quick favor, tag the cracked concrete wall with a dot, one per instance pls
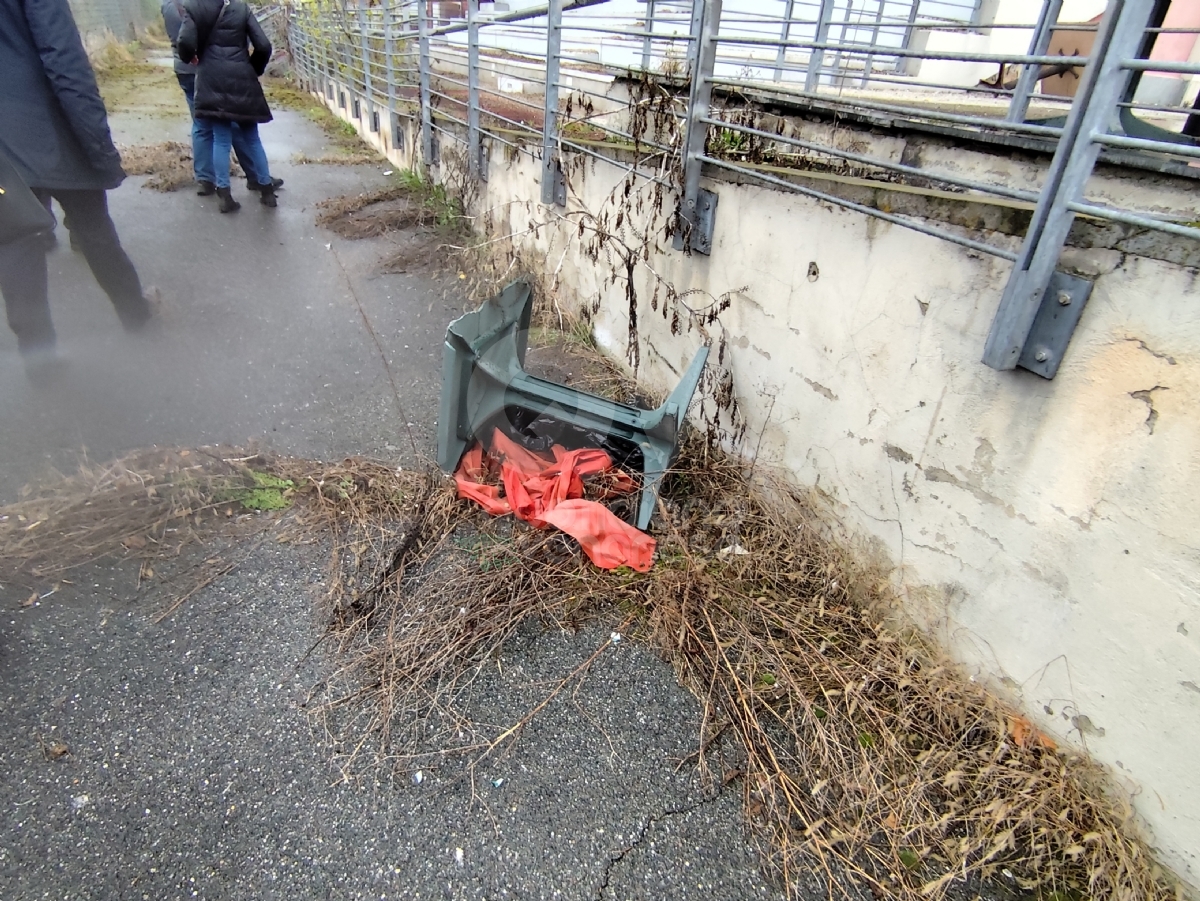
(1048, 532)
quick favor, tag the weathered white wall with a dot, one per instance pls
(1044, 530)
(1047, 531)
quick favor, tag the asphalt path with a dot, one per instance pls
(193, 768)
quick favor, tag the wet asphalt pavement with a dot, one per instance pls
(194, 769)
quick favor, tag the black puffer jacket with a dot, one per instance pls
(218, 32)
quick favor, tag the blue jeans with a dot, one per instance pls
(223, 132)
(202, 140)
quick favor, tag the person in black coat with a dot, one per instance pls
(202, 135)
(54, 130)
(216, 34)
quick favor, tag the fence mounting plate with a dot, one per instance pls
(1062, 306)
(702, 221)
(552, 173)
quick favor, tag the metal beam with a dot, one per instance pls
(1095, 105)
(553, 182)
(698, 208)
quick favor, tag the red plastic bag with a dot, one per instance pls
(544, 491)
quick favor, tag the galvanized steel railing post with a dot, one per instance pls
(1047, 19)
(816, 55)
(365, 53)
(784, 35)
(694, 36)
(553, 188)
(1094, 108)
(389, 62)
(698, 208)
(426, 97)
(474, 144)
(646, 41)
(906, 41)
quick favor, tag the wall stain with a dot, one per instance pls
(898, 454)
(821, 389)
(1084, 724)
(1182, 629)
(937, 474)
(1191, 686)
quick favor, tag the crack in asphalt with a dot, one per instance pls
(651, 821)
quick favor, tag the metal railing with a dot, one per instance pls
(736, 70)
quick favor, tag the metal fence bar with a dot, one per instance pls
(813, 78)
(913, 224)
(474, 144)
(707, 26)
(389, 62)
(1018, 107)
(784, 35)
(364, 49)
(646, 41)
(869, 65)
(1102, 85)
(906, 41)
(552, 175)
(426, 98)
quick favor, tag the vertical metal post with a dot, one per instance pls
(553, 189)
(1095, 106)
(784, 36)
(842, 40)
(869, 63)
(426, 97)
(389, 63)
(906, 42)
(474, 144)
(698, 7)
(817, 55)
(365, 53)
(699, 207)
(646, 42)
(1047, 19)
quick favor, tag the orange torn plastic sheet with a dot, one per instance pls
(549, 492)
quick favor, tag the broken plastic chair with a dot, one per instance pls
(483, 378)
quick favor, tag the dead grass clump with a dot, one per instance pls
(860, 752)
(148, 504)
(374, 213)
(168, 164)
(424, 211)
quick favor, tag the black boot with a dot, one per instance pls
(255, 186)
(206, 188)
(228, 204)
(267, 196)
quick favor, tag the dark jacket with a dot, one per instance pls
(53, 125)
(172, 14)
(218, 31)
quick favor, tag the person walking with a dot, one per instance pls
(215, 35)
(202, 134)
(54, 131)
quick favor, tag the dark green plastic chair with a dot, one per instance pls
(483, 376)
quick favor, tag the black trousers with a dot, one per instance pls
(23, 270)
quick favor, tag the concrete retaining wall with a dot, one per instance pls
(1047, 531)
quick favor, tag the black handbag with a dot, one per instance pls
(21, 213)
